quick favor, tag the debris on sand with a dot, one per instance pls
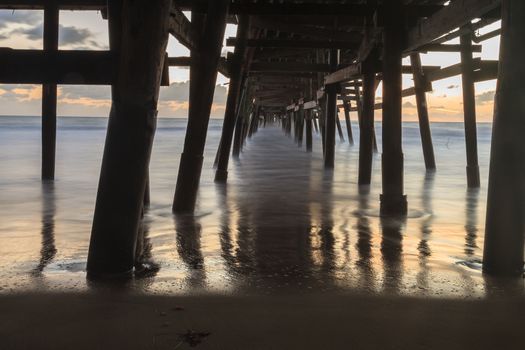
(193, 338)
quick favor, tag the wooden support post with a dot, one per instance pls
(129, 139)
(228, 126)
(469, 108)
(393, 200)
(346, 107)
(420, 83)
(300, 114)
(338, 124)
(366, 124)
(359, 106)
(202, 86)
(49, 95)
(308, 121)
(254, 120)
(237, 139)
(331, 115)
(322, 122)
(503, 251)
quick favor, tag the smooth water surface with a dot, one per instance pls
(282, 224)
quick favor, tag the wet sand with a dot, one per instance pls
(314, 321)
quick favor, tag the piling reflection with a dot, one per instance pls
(424, 251)
(145, 266)
(188, 236)
(392, 252)
(48, 249)
(327, 225)
(364, 244)
(471, 225)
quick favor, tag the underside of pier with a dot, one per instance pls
(295, 63)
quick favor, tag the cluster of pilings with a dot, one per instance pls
(292, 62)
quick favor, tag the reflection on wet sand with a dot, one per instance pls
(364, 244)
(48, 250)
(424, 251)
(188, 236)
(392, 252)
(471, 226)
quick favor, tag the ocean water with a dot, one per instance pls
(281, 224)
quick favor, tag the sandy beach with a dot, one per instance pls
(315, 321)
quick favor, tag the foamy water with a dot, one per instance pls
(282, 224)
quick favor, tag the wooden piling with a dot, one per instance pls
(331, 115)
(366, 125)
(130, 134)
(237, 138)
(309, 139)
(338, 124)
(469, 108)
(300, 114)
(504, 240)
(359, 106)
(49, 95)
(420, 84)
(393, 200)
(202, 85)
(232, 101)
(346, 107)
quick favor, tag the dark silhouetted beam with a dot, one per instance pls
(62, 4)
(296, 43)
(457, 14)
(288, 67)
(312, 9)
(60, 67)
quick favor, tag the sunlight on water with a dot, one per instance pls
(282, 224)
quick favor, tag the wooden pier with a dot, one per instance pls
(295, 62)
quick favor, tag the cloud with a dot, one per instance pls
(8, 17)
(70, 36)
(450, 87)
(486, 97)
(180, 92)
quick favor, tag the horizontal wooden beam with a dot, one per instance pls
(71, 67)
(60, 67)
(344, 74)
(288, 67)
(62, 4)
(354, 71)
(306, 30)
(446, 48)
(296, 43)
(457, 14)
(181, 61)
(308, 9)
(488, 71)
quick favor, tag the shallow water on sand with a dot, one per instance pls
(282, 224)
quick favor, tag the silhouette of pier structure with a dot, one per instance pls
(295, 62)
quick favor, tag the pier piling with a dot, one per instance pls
(203, 76)
(129, 137)
(393, 200)
(505, 225)
(49, 95)
(420, 83)
(469, 108)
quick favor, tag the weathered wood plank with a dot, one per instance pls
(296, 43)
(457, 14)
(60, 67)
(288, 67)
(62, 4)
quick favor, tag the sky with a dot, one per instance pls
(86, 30)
